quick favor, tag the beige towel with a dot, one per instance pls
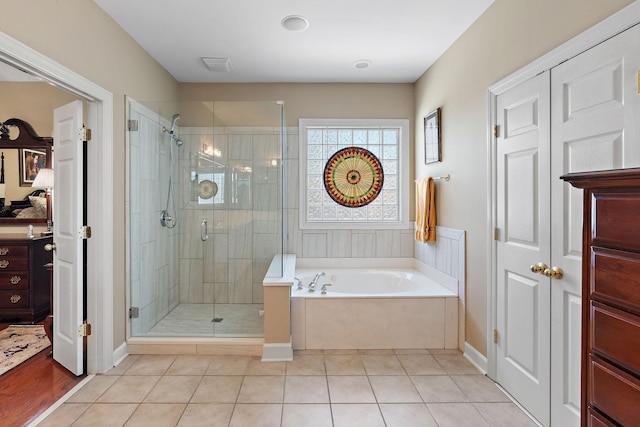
(425, 210)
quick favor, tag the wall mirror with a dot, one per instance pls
(22, 154)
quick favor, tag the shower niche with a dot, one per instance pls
(203, 277)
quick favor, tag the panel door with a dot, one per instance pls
(595, 120)
(523, 208)
(68, 202)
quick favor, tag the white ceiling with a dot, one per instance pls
(401, 38)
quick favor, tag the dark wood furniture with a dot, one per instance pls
(28, 139)
(610, 297)
(24, 279)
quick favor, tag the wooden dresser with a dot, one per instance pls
(610, 385)
(24, 279)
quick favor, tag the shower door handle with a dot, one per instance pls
(204, 230)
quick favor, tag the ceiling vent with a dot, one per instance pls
(218, 65)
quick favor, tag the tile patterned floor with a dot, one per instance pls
(318, 388)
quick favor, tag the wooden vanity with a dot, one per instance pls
(24, 278)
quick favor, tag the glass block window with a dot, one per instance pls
(386, 139)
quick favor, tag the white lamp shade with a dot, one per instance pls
(44, 179)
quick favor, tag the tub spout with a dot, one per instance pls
(312, 285)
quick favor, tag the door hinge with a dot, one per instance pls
(496, 131)
(84, 232)
(133, 125)
(496, 335)
(84, 330)
(496, 233)
(134, 312)
(85, 134)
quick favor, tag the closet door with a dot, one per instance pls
(522, 214)
(595, 120)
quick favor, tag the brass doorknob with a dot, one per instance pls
(50, 247)
(554, 272)
(539, 268)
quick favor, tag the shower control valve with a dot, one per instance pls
(324, 288)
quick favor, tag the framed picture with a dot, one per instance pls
(432, 138)
(30, 162)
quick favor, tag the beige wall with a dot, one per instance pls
(80, 36)
(509, 35)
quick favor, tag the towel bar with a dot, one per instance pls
(446, 177)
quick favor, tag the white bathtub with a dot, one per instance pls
(373, 308)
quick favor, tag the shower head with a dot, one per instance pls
(174, 119)
(178, 141)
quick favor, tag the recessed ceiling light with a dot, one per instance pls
(219, 65)
(295, 23)
(362, 63)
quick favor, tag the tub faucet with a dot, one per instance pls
(299, 282)
(312, 285)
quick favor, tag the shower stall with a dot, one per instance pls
(205, 216)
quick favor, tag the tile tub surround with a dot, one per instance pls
(318, 388)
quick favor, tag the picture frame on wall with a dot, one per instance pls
(30, 162)
(432, 137)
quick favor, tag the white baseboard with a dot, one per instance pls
(120, 353)
(278, 352)
(476, 358)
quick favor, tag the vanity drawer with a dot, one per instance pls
(14, 299)
(615, 277)
(11, 251)
(597, 420)
(614, 392)
(608, 326)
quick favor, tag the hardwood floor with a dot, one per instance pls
(29, 389)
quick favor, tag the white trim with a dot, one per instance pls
(120, 353)
(609, 27)
(100, 191)
(475, 357)
(277, 352)
(403, 174)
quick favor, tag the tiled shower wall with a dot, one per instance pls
(153, 265)
(339, 243)
(243, 238)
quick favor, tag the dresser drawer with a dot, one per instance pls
(14, 280)
(614, 392)
(616, 335)
(13, 264)
(615, 276)
(14, 299)
(616, 219)
(597, 420)
(13, 251)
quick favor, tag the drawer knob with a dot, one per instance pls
(539, 267)
(15, 299)
(554, 272)
(15, 280)
(4, 251)
(4, 263)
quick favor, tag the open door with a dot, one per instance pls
(68, 258)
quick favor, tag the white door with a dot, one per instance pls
(523, 296)
(595, 122)
(68, 256)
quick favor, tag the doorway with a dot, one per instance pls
(100, 354)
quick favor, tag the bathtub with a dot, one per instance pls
(373, 308)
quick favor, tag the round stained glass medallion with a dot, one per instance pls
(353, 177)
